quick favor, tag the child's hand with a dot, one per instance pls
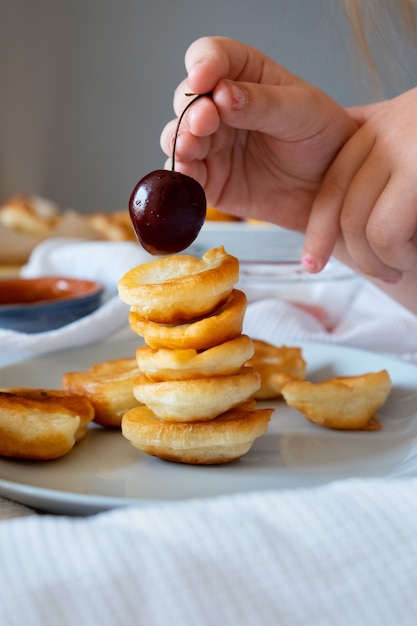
(370, 194)
(262, 143)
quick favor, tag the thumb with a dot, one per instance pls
(282, 111)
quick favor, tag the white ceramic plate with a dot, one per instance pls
(105, 471)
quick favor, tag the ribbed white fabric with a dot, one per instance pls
(344, 555)
(373, 322)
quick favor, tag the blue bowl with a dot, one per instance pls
(34, 305)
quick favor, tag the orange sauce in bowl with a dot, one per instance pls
(21, 291)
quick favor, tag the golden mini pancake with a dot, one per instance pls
(277, 365)
(109, 386)
(30, 215)
(41, 424)
(222, 325)
(167, 364)
(214, 215)
(111, 226)
(181, 287)
(221, 440)
(198, 398)
(344, 402)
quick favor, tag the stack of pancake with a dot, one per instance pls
(194, 389)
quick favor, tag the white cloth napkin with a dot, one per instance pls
(343, 554)
(373, 322)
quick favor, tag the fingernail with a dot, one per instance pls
(392, 280)
(238, 97)
(309, 263)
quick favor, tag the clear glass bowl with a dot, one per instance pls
(326, 295)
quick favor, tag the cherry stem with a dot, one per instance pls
(200, 95)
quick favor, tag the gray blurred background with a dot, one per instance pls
(86, 86)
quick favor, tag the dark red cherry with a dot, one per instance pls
(168, 208)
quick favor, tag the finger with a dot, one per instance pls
(204, 106)
(167, 137)
(322, 231)
(360, 204)
(346, 199)
(188, 146)
(195, 169)
(323, 228)
(190, 152)
(392, 227)
(211, 59)
(201, 118)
